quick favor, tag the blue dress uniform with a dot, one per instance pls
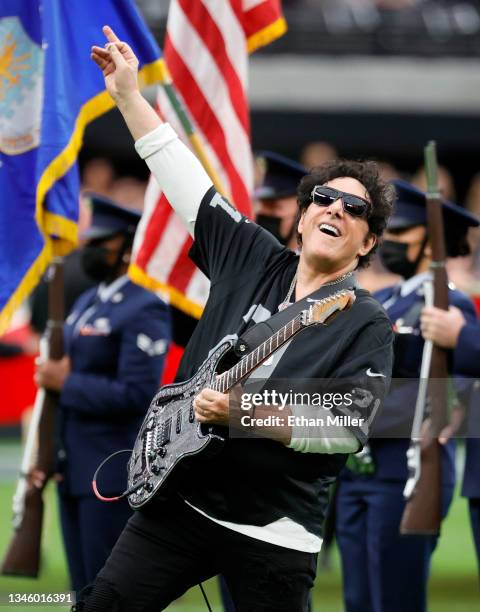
(116, 337)
(384, 571)
(276, 208)
(468, 347)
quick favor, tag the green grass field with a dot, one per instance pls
(453, 587)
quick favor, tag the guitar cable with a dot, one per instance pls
(205, 596)
(126, 493)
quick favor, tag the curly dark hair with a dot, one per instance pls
(381, 194)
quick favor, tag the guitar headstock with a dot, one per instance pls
(326, 309)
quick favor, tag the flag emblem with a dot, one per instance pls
(49, 92)
(21, 85)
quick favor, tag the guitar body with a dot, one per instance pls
(170, 433)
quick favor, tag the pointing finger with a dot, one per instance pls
(110, 34)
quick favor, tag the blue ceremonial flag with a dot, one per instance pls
(50, 90)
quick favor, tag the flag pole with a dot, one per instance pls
(187, 124)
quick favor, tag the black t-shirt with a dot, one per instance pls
(257, 481)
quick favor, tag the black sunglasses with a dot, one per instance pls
(352, 204)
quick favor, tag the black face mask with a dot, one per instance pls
(393, 256)
(272, 225)
(94, 263)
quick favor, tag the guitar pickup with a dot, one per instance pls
(162, 433)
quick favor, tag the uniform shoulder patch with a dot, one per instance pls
(151, 347)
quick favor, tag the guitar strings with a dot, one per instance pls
(221, 383)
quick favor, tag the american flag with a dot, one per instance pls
(206, 51)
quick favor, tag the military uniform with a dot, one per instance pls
(370, 507)
(276, 201)
(116, 337)
(468, 348)
(383, 570)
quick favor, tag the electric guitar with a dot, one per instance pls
(170, 433)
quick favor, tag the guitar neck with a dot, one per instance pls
(247, 364)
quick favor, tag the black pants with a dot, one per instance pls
(161, 554)
(90, 529)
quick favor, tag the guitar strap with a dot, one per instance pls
(254, 336)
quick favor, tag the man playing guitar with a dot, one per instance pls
(254, 512)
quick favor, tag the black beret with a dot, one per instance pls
(281, 178)
(410, 209)
(109, 219)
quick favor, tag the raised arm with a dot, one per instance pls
(120, 71)
(178, 172)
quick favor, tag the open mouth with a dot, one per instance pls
(330, 230)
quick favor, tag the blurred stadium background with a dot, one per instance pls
(372, 77)
(361, 78)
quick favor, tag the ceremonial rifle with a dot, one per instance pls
(23, 554)
(422, 514)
